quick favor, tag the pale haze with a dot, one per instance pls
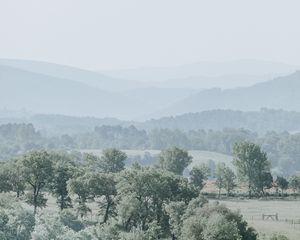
(150, 119)
(99, 35)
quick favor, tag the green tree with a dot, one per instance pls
(103, 187)
(175, 211)
(15, 222)
(282, 183)
(37, 170)
(225, 178)
(252, 165)
(79, 186)
(215, 222)
(113, 160)
(144, 193)
(294, 183)
(265, 182)
(64, 170)
(219, 228)
(174, 160)
(198, 175)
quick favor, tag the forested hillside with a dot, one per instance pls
(282, 148)
(258, 121)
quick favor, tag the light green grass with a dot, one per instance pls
(252, 211)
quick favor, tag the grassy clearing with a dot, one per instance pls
(252, 211)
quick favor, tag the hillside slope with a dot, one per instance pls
(91, 78)
(280, 93)
(47, 94)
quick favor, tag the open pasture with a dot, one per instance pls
(287, 211)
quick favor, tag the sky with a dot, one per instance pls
(114, 34)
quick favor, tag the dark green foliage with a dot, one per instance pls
(174, 160)
(37, 170)
(63, 171)
(282, 183)
(69, 219)
(294, 183)
(253, 166)
(143, 194)
(225, 178)
(79, 187)
(113, 160)
(103, 187)
(198, 176)
(215, 222)
(15, 222)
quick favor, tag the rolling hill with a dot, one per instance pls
(41, 93)
(280, 93)
(100, 95)
(225, 75)
(91, 78)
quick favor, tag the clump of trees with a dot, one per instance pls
(98, 198)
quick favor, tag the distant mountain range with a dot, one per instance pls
(280, 93)
(225, 75)
(47, 88)
(90, 78)
(55, 89)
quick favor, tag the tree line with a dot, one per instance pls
(282, 148)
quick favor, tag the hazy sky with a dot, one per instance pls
(105, 34)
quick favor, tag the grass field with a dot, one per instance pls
(252, 211)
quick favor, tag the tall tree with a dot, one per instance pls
(37, 168)
(174, 160)
(64, 169)
(252, 165)
(79, 185)
(282, 183)
(199, 174)
(113, 160)
(103, 187)
(225, 178)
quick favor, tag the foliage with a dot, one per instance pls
(282, 183)
(281, 147)
(15, 222)
(225, 178)
(253, 166)
(63, 171)
(174, 160)
(37, 170)
(278, 237)
(294, 183)
(198, 176)
(215, 222)
(113, 160)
